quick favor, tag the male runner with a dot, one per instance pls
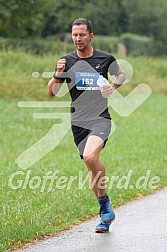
(90, 119)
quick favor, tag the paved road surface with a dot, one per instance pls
(140, 226)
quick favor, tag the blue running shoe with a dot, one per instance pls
(106, 212)
(102, 228)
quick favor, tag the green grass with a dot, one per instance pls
(17, 68)
(138, 145)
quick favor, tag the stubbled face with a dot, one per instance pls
(81, 37)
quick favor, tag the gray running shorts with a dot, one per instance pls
(82, 130)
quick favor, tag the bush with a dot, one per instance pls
(138, 45)
(160, 48)
(105, 43)
(36, 46)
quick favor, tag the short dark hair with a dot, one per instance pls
(85, 21)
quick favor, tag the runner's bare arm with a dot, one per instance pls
(120, 77)
(54, 84)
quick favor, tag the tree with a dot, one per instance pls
(147, 17)
(22, 18)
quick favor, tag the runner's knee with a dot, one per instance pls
(90, 160)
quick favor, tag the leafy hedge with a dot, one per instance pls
(138, 45)
(135, 45)
(40, 46)
(105, 43)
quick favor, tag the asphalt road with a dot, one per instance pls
(140, 226)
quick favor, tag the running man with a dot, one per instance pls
(87, 77)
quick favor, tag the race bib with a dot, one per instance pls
(86, 81)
